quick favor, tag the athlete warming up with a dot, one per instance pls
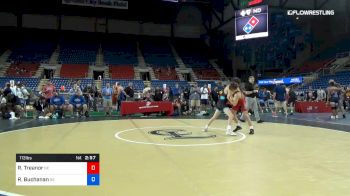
(221, 106)
(237, 100)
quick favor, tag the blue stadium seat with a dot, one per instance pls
(34, 51)
(77, 52)
(31, 83)
(68, 83)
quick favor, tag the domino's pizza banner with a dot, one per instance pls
(252, 22)
(286, 81)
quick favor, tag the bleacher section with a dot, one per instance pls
(32, 52)
(322, 82)
(157, 52)
(77, 52)
(165, 73)
(31, 83)
(58, 82)
(311, 66)
(138, 84)
(195, 56)
(74, 70)
(120, 52)
(22, 70)
(122, 72)
(330, 53)
(206, 74)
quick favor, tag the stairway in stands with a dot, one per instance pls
(54, 57)
(4, 57)
(176, 56)
(4, 65)
(140, 58)
(99, 57)
(215, 65)
(57, 73)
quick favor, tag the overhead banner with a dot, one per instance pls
(116, 4)
(252, 23)
(287, 81)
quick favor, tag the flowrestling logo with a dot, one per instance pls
(310, 12)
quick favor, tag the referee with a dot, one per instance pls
(251, 90)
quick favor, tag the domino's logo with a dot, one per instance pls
(251, 24)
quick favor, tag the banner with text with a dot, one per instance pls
(117, 4)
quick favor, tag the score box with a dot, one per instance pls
(57, 170)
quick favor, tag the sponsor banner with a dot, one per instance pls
(294, 80)
(117, 4)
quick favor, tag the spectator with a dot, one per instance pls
(74, 89)
(321, 95)
(96, 96)
(41, 107)
(9, 107)
(195, 98)
(121, 96)
(79, 104)
(347, 97)
(58, 105)
(292, 98)
(251, 93)
(214, 96)
(333, 93)
(186, 94)
(23, 96)
(48, 90)
(130, 92)
(166, 94)
(204, 99)
(263, 100)
(147, 94)
(7, 89)
(158, 94)
(280, 99)
(88, 95)
(107, 99)
(311, 95)
(176, 92)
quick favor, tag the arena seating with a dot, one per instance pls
(120, 52)
(322, 82)
(34, 51)
(22, 70)
(165, 73)
(31, 83)
(195, 56)
(74, 70)
(157, 52)
(122, 72)
(138, 84)
(311, 66)
(67, 83)
(330, 53)
(77, 53)
(206, 74)
(169, 83)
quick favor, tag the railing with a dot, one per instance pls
(342, 54)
